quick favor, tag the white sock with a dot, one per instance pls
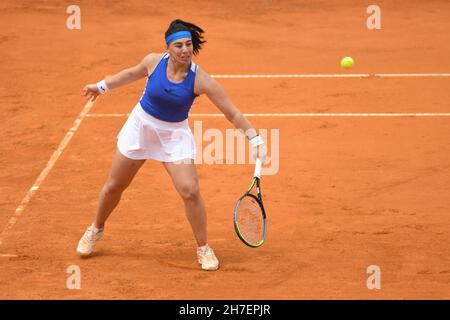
(96, 230)
(203, 248)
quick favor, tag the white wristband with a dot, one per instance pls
(256, 141)
(102, 87)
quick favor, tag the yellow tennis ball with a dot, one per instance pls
(347, 62)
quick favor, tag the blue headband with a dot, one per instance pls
(178, 35)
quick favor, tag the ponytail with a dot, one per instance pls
(196, 32)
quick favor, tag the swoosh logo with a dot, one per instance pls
(168, 90)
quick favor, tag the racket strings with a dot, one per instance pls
(250, 220)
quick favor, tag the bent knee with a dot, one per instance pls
(113, 187)
(190, 191)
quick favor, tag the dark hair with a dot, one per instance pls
(196, 32)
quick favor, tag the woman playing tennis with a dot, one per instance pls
(158, 129)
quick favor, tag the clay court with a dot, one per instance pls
(364, 162)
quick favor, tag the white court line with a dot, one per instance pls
(387, 75)
(8, 255)
(101, 115)
(255, 76)
(443, 114)
(328, 115)
(343, 75)
(35, 187)
(89, 105)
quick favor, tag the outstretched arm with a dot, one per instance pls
(123, 77)
(215, 92)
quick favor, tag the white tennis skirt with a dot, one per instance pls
(146, 137)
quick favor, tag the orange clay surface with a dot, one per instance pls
(350, 192)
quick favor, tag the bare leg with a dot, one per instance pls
(184, 177)
(122, 173)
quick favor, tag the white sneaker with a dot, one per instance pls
(87, 242)
(207, 258)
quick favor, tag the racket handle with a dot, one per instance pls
(258, 165)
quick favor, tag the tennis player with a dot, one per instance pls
(158, 129)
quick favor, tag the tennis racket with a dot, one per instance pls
(250, 220)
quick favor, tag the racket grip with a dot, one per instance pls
(258, 165)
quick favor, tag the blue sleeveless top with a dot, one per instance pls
(166, 100)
